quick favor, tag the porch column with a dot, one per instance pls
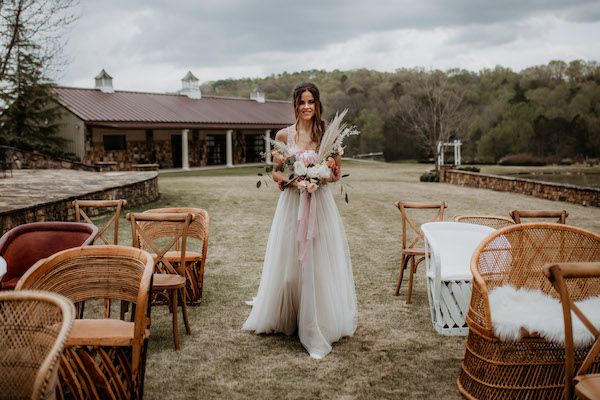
(268, 146)
(185, 162)
(229, 147)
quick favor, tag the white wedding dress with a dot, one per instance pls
(315, 295)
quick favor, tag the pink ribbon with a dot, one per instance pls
(307, 227)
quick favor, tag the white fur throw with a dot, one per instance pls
(534, 311)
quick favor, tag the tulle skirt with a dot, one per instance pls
(314, 296)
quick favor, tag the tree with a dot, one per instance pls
(29, 118)
(29, 49)
(430, 109)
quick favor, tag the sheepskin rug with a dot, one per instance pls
(534, 311)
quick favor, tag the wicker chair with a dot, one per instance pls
(493, 221)
(104, 358)
(194, 260)
(414, 251)
(95, 206)
(532, 367)
(159, 233)
(34, 326)
(25, 244)
(564, 277)
(560, 216)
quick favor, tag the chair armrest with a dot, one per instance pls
(573, 270)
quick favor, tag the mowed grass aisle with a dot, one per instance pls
(394, 354)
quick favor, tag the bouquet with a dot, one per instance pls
(309, 170)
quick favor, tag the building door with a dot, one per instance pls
(216, 149)
(176, 150)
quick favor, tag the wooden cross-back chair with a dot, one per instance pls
(91, 205)
(581, 382)
(194, 260)
(413, 252)
(560, 215)
(80, 207)
(149, 231)
(104, 358)
(493, 221)
(34, 327)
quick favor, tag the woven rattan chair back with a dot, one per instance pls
(106, 366)
(493, 221)
(34, 327)
(412, 249)
(94, 206)
(567, 278)
(557, 216)
(197, 235)
(531, 367)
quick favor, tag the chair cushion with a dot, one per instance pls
(514, 311)
(9, 284)
(101, 332)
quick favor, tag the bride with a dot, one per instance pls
(306, 284)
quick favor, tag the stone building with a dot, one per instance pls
(181, 130)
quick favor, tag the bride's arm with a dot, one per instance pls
(278, 173)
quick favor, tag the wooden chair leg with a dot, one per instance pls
(403, 262)
(173, 307)
(184, 311)
(410, 280)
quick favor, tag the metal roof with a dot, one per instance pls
(153, 110)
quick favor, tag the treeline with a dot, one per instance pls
(544, 113)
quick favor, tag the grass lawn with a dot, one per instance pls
(395, 352)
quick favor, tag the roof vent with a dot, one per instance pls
(104, 82)
(257, 95)
(190, 86)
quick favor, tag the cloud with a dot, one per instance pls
(153, 42)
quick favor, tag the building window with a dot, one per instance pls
(255, 145)
(114, 142)
(216, 149)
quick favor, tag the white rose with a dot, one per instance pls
(324, 172)
(313, 172)
(299, 168)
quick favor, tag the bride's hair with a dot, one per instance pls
(318, 126)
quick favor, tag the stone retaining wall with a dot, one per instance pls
(544, 190)
(136, 194)
(24, 159)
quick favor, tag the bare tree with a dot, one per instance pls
(33, 26)
(429, 107)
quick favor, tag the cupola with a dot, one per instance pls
(104, 82)
(190, 86)
(257, 95)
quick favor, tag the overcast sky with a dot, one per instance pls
(149, 45)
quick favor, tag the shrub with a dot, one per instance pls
(468, 168)
(430, 176)
(521, 159)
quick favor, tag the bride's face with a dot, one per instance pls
(306, 108)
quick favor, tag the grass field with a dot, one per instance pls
(394, 354)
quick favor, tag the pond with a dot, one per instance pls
(572, 178)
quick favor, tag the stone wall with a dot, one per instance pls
(544, 190)
(136, 194)
(24, 159)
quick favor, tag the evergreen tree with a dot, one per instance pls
(29, 119)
